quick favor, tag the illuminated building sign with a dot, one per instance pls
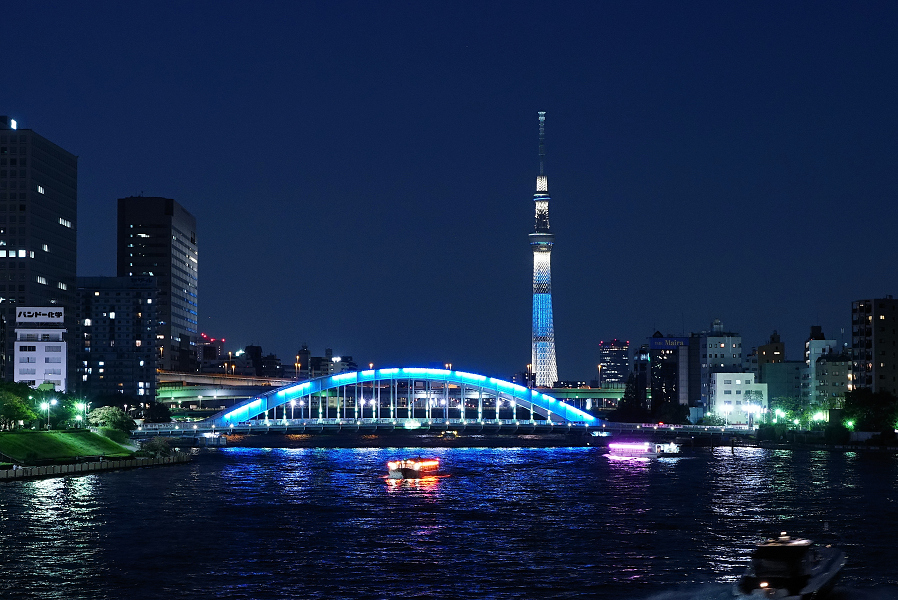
(667, 343)
(41, 314)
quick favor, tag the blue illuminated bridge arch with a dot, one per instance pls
(401, 393)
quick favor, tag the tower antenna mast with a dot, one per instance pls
(542, 142)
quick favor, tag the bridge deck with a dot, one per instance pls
(438, 425)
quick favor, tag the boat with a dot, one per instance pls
(413, 468)
(643, 449)
(788, 568)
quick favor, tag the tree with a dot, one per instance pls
(630, 409)
(112, 417)
(157, 446)
(871, 411)
(13, 409)
(157, 412)
(671, 412)
(712, 419)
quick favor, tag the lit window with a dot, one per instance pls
(45, 248)
(87, 322)
(42, 280)
(40, 189)
(62, 286)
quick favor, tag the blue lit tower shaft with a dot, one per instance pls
(545, 371)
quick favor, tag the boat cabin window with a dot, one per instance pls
(773, 561)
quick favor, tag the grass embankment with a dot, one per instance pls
(29, 447)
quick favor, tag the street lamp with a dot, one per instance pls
(296, 364)
(301, 404)
(726, 409)
(46, 406)
(81, 406)
(292, 406)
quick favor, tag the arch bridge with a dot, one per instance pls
(402, 393)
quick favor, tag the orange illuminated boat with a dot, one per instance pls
(413, 468)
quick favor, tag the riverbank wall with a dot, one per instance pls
(85, 468)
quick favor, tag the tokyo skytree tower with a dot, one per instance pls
(545, 370)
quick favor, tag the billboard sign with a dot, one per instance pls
(39, 314)
(668, 343)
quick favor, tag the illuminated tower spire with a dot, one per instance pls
(545, 370)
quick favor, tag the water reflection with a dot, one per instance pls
(505, 524)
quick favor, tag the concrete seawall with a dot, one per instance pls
(90, 467)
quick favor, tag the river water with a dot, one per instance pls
(503, 523)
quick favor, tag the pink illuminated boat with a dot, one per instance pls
(642, 449)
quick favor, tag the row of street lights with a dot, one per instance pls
(753, 411)
(80, 406)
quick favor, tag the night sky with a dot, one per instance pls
(362, 173)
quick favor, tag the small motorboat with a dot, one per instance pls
(413, 468)
(790, 568)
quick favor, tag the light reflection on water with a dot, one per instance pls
(504, 523)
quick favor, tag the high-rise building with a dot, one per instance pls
(833, 376)
(40, 351)
(874, 344)
(614, 362)
(157, 238)
(715, 351)
(38, 213)
(814, 347)
(783, 381)
(669, 368)
(773, 351)
(738, 397)
(115, 339)
(542, 351)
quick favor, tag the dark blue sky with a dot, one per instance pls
(362, 173)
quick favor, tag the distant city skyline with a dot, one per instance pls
(359, 186)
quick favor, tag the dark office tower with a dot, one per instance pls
(115, 336)
(874, 344)
(157, 238)
(614, 362)
(38, 211)
(773, 351)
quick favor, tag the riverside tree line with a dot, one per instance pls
(23, 407)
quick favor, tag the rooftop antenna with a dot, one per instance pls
(542, 141)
